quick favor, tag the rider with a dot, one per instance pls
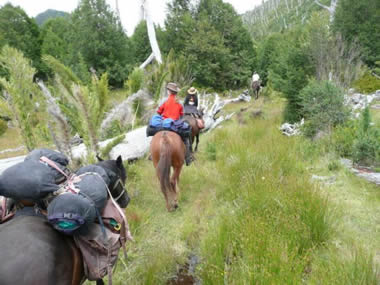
(255, 77)
(172, 109)
(191, 101)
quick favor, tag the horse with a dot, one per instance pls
(256, 86)
(191, 117)
(168, 150)
(32, 252)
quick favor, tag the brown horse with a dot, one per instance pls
(195, 130)
(256, 86)
(168, 150)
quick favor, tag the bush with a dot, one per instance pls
(366, 147)
(135, 80)
(367, 83)
(3, 127)
(322, 106)
(343, 138)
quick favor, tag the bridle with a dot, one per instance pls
(118, 183)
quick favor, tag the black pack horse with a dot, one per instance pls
(33, 253)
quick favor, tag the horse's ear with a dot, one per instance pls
(119, 161)
(99, 158)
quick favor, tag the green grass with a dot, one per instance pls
(9, 140)
(250, 213)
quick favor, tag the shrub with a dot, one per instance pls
(323, 106)
(366, 147)
(3, 127)
(135, 80)
(367, 83)
(343, 138)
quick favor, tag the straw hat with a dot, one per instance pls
(172, 87)
(192, 91)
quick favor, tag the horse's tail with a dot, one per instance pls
(163, 167)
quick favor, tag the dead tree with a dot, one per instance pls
(330, 8)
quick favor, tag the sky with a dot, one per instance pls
(129, 9)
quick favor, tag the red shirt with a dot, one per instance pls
(171, 108)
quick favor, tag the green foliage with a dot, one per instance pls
(104, 152)
(343, 138)
(334, 165)
(290, 71)
(56, 39)
(84, 106)
(115, 129)
(21, 32)
(139, 42)
(267, 52)
(366, 147)
(323, 106)
(211, 151)
(367, 83)
(135, 80)
(360, 20)
(22, 93)
(98, 35)
(212, 38)
(3, 127)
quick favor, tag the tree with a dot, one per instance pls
(140, 43)
(360, 20)
(98, 35)
(290, 71)
(56, 37)
(207, 56)
(211, 35)
(21, 32)
(20, 93)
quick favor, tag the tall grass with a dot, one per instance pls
(248, 211)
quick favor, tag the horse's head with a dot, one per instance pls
(117, 174)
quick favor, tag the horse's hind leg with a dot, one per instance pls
(174, 180)
(196, 143)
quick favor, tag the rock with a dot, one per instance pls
(377, 107)
(363, 172)
(292, 129)
(324, 179)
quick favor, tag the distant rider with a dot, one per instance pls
(191, 101)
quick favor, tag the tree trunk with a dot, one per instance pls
(151, 33)
(330, 8)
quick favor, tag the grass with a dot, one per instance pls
(9, 140)
(250, 213)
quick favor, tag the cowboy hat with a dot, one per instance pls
(172, 87)
(192, 91)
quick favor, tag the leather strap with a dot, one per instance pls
(78, 276)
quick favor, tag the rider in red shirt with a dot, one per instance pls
(174, 110)
(171, 108)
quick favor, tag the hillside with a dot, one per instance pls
(277, 16)
(49, 14)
